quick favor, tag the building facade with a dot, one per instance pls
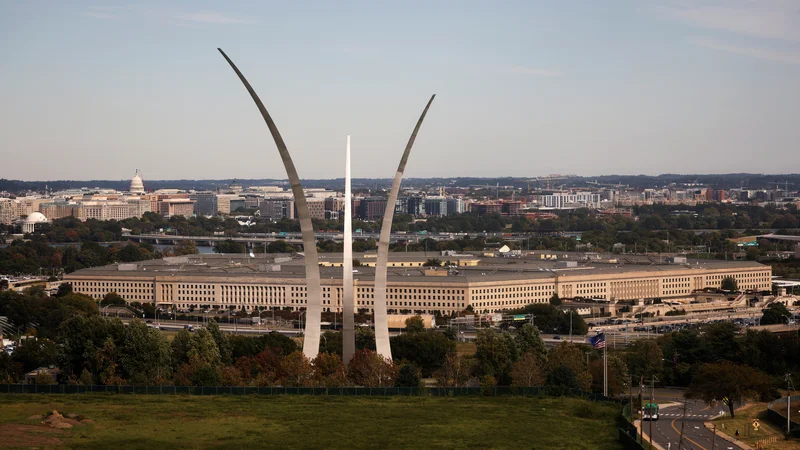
(213, 282)
(205, 203)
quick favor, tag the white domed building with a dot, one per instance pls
(34, 219)
(137, 185)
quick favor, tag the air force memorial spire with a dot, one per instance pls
(313, 288)
(348, 296)
(381, 318)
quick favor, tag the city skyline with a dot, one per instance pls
(627, 88)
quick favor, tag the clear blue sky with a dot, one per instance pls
(94, 90)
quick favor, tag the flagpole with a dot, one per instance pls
(605, 370)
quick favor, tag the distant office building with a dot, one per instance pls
(484, 208)
(176, 207)
(237, 204)
(137, 206)
(415, 206)
(57, 210)
(205, 203)
(252, 200)
(436, 206)
(511, 208)
(455, 206)
(228, 203)
(277, 208)
(334, 206)
(25, 206)
(371, 208)
(8, 211)
(566, 200)
(316, 208)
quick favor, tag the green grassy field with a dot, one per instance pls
(155, 422)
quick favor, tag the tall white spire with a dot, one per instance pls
(348, 300)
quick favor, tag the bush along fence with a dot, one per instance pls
(538, 391)
(776, 414)
(629, 436)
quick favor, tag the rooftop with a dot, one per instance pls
(488, 268)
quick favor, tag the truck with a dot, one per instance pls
(650, 411)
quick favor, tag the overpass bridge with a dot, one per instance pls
(295, 238)
(251, 240)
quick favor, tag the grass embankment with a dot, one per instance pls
(766, 429)
(152, 422)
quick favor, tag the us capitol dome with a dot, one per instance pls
(137, 185)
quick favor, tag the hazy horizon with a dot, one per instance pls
(95, 90)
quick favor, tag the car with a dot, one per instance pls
(557, 337)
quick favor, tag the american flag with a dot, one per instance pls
(598, 341)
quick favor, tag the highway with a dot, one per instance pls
(667, 430)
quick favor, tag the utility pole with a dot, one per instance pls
(641, 405)
(605, 371)
(789, 388)
(683, 423)
(652, 401)
(714, 437)
(570, 325)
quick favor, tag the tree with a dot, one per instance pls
(107, 363)
(728, 383)
(64, 289)
(369, 369)
(529, 339)
(432, 262)
(495, 354)
(455, 372)
(775, 313)
(296, 369)
(262, 369)
(80, 338)
(223, 345)
(185, 248)
(144, 354)
(426, 349)
(112, 298)
(555, 300)
(229, 246)
(329, 370)
(618, 376)
(528, 370)
(550, 319)
(415, 324)
(645, 359)
(729, 284)
(409, 375)
(566, 366)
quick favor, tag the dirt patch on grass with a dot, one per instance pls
(17, 435)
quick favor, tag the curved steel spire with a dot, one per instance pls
(313, 288)
(381, 320)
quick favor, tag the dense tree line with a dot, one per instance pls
(67, 331)
(756, 361)
(38, 257)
